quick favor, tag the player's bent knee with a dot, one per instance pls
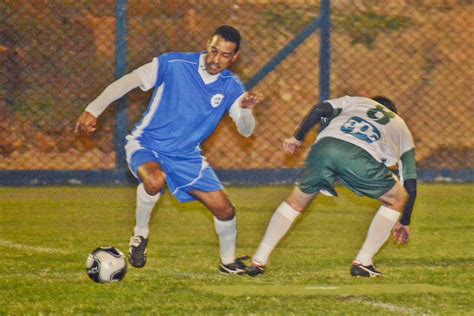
(296, 205)
(224, 214)
(154, 185)
(299, 201)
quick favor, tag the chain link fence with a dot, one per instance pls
(420, 54)
(57, 56)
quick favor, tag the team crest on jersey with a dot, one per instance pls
(216, 100)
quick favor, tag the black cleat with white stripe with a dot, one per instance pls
(137, 253)
(236, 267)
(359, 270)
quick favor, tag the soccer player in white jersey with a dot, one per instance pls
(361, 141)
(192, 92)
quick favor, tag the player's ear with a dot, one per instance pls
(236, 57)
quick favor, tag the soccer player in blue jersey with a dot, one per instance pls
(192, 93)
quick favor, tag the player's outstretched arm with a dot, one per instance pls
(241, 112)
(291, 144)
(401, 231)
(313, 117)
(87, 121)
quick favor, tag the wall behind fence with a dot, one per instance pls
(55, 57)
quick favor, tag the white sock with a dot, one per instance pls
(227, 232)
(280, 223)
(145, 204)
(378, 233)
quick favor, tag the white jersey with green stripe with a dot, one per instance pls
(371, 126)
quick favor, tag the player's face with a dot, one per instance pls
(220, 54)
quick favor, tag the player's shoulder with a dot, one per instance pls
(231, 78)
(180, 57)
(340, 102)
(357, 101)
(363, 103)
(401, 123)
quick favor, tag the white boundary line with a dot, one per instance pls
(321, 288)
(9, 244)
(388, 307)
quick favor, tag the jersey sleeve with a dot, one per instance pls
(407, 154)
(162, 69)
(147, 74)
(408, 164)
(236, 91)
(337, 104)
(113, 92)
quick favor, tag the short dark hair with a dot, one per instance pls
(228, 33)
(385, 102)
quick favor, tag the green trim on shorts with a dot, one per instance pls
(332, 158)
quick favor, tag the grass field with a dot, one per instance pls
(47, 233)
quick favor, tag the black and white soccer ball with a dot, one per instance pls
(106, 264)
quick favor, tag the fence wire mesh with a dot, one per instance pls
(420, 54)
(57, 56)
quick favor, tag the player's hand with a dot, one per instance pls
(86, 124)
(401, 233)
(393, 168)
(251, 100)
(290, 145)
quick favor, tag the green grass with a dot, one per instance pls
(47, 233)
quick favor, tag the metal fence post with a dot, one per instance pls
(325, 51)
(121, 70)
(284, 53)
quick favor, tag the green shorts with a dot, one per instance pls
(332, 158)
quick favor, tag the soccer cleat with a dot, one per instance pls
(255, 269)
(137, 254)
(236, 267)
(359, 270)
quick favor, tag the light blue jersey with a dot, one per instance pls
(184, 111)
(186, 107)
